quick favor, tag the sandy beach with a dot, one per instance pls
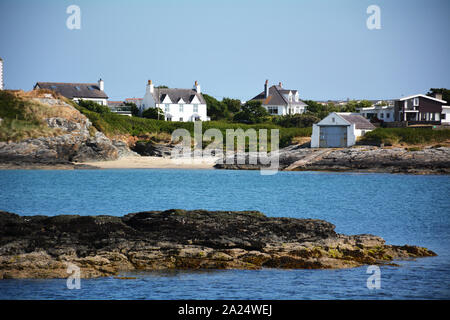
(154, 162)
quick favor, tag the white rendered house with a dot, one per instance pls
(176, 104)
(385, 113)
(339, 129)
(280, 101)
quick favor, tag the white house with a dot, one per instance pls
(339, 129)
(177, 104)
(280, 101)
(445, 116)
(385, 113)
(78, 91)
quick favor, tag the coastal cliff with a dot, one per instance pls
(45, 130)
(43, 247)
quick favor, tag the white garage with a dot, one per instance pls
(339, 130)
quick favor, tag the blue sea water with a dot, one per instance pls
(403, 209)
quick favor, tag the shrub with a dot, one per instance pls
(390, 136)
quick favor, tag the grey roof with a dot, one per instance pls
(359, 121)
(175, 94)
(74, 90)
(276, 97)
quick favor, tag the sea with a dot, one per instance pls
(403, 209)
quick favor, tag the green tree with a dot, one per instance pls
(153, 113)
(216, 109)
(445, 93)
(296, 120)
(93, 106)
(252, 112)
(233, 105)
(133, 108)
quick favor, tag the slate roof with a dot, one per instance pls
(276, 97)
(175, 94)
(359, 121)
(74, 90)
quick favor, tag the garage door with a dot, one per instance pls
(333, 136)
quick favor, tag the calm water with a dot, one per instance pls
(400, 208)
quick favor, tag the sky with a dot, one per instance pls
(321, 48)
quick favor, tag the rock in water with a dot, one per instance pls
(42, 247)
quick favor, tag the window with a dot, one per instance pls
(381, 115)
(181, 119)
(195, 107)
(167, 108)
(416, 102)
(388, 115)
(333, 119)
(272, 110)
(443, 116)
(181, 110)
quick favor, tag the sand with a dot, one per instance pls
(154, 162)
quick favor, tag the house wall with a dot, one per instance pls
(97, 100)
(445, 115)
(187, 114)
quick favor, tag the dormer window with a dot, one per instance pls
(181, 109)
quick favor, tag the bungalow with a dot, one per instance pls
(177, 104)
(419, 109)
(77, 91)
(280, 101)
(385, 113)
(339, 129)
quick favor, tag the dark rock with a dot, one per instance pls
(41, 246)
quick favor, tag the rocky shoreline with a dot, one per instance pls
(429, 160)
(43, 247)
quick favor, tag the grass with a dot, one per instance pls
(408, 136)
(113, 124)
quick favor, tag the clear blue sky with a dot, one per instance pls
(322, 48)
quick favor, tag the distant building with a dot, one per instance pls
(280, 101)
(119, 107)
(137, 101)
(77, 91)
(176, 104)
(384, 113)
(339, 129)
(419, 109)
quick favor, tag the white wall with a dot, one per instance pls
(446, 112)
(99, 101)
(187, 114)
(315, 136)
(283, 110)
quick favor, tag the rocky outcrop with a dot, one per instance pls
(428, 160)
(43, 247)
(149, 148)
(78, 141)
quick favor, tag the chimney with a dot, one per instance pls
(101, 84)
(438, 96)
(150, 86)
(197, 87)
(266, 89)
(280, 84)
(1, 74)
